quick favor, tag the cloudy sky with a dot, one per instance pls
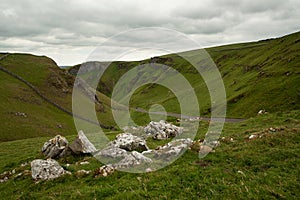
(70, 30)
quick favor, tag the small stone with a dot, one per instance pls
(104, 171)
(148, 170)
(252, 137)
(84, 163)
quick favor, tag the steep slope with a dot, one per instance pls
(256, 75)
(27, 113)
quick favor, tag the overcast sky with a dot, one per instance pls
(69, 30)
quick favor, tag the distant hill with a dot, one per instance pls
(257, 75)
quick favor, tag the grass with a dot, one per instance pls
(42, 119)
(266, 167)
(257, 75)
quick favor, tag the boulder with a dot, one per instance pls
(162, 130)
(133, 159)
(46, 169)
(82, 144)
(56, 147)
(171, 149)
(112, 152)
(129, 142)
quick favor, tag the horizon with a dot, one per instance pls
(69, 31)
(153, 55)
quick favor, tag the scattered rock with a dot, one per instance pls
(104, 171)
(82, 144)
(133, 159)
(56, 147)
(3, 180)
(46, 169)
(252, 137)
(196, 145)
(84, 163)
(162, 130)
(129, 142)
(112, 152)
(149, 170)
(21, 114)
(261, 112)
(171, 149)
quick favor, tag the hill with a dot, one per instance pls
(25, 110)
(257, 75)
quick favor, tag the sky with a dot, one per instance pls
(69, 31)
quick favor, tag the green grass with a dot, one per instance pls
(42, 119)
(256, 75)
(266, 168)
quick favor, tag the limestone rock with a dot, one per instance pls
(162, 130)
(133, 159)
(82, 144)
(104, 171)
(112, 152)
(171, 149)
(56, 147)
(130, 142)
(46, 169)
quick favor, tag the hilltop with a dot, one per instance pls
(257, 75)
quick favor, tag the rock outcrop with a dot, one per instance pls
(162, 130)
(129, 142)
(82, 144)
(56, 147)
(46, 169)
(171, 149)
(133, 159)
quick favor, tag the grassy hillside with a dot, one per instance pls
(257, 75)
(262, 168)
(40, 118)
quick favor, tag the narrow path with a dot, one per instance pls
(189, 117)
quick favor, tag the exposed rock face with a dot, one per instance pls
(82, 144)
(56, 147)
(104, 170)
(162, 130)
(129, 142)
(133, 159)
(171, 149)
(46, 169)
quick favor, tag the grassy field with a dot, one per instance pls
(262, 168)
(257, 75)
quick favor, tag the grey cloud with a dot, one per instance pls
(81, 24)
